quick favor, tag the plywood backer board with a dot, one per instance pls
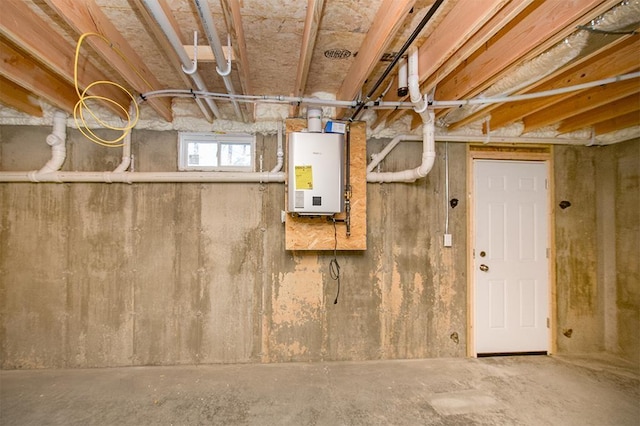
(317, 233)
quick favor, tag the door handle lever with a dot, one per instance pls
(484, 268)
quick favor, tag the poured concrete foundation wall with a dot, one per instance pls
(598, 247)
(115, 274)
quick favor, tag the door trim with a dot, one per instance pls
(522, 153)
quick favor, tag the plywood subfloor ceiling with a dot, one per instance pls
(338, 49)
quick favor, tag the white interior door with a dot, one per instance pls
(511, 271)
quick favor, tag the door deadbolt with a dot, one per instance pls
(483, 254)
(484, 268)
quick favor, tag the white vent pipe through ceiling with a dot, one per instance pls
(156, 11)
(421, 106)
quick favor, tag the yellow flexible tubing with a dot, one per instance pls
(81, 106)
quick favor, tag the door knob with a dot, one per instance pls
(484, 268)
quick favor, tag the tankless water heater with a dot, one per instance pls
(315, 167)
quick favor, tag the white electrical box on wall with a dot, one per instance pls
(315, 168)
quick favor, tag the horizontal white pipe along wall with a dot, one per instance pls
(140, 177)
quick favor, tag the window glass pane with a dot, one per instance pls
(202, 154)
(235, 154)
(215, 152)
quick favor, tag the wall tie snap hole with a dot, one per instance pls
(453, 203)
(564, 204)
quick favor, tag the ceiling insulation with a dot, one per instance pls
(569, 33)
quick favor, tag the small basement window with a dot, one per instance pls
(216, 152)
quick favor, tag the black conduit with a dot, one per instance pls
(403, 49)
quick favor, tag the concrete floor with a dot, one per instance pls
(533, 390)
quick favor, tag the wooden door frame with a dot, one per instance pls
(517, 152)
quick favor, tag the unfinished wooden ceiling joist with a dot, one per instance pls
(85, 16)
(337, 49)
(16, 97)
(616, 61)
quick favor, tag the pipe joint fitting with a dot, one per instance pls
(54, 140)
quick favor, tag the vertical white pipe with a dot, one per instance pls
(403, 85)
(57, 141)
(414, 82)
(428, 132)
(126, 154)
(280, 154)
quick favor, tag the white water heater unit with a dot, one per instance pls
(315, 167)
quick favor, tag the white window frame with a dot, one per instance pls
(184, 138)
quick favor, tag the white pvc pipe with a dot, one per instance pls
(280, 153)
(202, 6)
(527, 96)
(142, 177)
(377, 158)
(281, 99)
(514, 139)
(126, 154)
(419, 104)
(57, 141)
(159, 15)
(428, 133)
(402, 75)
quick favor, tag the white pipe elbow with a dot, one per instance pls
(57, 141)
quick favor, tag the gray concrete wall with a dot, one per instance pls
(598, 247)
(114, 274)
(626, 303)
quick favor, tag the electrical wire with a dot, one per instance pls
(446, 187)
(334, 266)
(82, 106)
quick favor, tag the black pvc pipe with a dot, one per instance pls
(405, 46)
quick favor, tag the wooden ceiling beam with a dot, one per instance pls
(614, 61)
(24, 28)
(311, 25)
(384, 27)
(574, 65)
(85, 16)
(579, 103)
(24, 71)
(233, 15)
(542, 25)
(618, 123)
(451, 48)
(602, 113)
(18, 98)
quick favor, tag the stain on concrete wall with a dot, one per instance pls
(576, 251)
(147, 274)
(627, 246)
(597, 245)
